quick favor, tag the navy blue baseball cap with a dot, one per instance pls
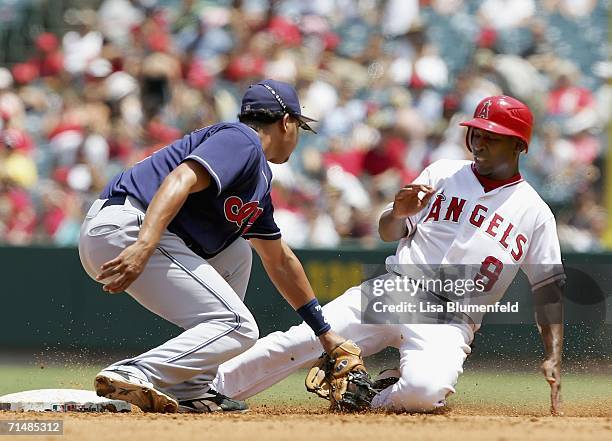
(275, 96)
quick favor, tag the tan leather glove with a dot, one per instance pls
(342, 378)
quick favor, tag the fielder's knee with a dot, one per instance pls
(244, 327)
(248, 330)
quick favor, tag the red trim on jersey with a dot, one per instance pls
(491, 184)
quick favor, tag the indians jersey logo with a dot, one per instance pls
(484, 110)
(238, 212)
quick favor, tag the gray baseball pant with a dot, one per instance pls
(203, 296)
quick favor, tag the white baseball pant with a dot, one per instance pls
(204, 297)
(431, 357)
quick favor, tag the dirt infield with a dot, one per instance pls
(491, 405)
(302, 423)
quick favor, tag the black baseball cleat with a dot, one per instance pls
(386, 378)
(212, 401)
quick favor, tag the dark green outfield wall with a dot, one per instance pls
(49, 302)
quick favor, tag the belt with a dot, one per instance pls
(120, 200)
(114, 200)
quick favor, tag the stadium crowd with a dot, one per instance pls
(388, 80)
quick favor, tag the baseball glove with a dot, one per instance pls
(342, 379)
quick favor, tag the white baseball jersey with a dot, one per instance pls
(498, 231)
(504, 229)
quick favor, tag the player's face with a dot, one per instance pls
(290, 136)
(495, 156)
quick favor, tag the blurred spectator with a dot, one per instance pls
(506, 14)
(83, 45)
(17, 215)
(388, 80)
(603, 95)
(16, 164)
(399, 17)
(117, 19)
(572, 9)
(566, 98)
(585, 226)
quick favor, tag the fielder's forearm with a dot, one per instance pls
(390, 227)
(291, 281)
(288, 276)
(167, 202)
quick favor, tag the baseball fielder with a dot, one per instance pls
(171, 232)
(478, 212)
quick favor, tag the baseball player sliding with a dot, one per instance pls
(171, 232)
(478, 212)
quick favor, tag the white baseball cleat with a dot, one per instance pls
(119, 384)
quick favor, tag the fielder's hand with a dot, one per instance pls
(551, 368)
(407, 201)
(341, 378)
(126, 267)
(330, 341)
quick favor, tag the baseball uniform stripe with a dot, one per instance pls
(412, 227)
(209, 169)
(512, 184)
(204, 285)
(200, 281)
(203, 345)
(268, 236)
(264, 175)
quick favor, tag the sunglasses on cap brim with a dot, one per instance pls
(303, 122)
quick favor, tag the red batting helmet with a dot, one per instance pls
(503, 115)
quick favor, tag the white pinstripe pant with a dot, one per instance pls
(431, 357)
(204, 297)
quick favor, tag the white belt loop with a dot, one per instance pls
(95, 208)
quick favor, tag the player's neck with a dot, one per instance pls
(272, 145)
(494, 180)
(266, 143)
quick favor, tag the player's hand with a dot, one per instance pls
(126, 268)
(330, 341)
(407, 201)
(551, 368)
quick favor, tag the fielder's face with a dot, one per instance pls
(289, 134)
(495, 156)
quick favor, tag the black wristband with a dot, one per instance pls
(312, 314)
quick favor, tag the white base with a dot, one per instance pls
(61, 400)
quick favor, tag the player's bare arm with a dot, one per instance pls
(411, 199)
(498, 230)
(288, 276)
(549, 317)
(189, 177)
(190, 242)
